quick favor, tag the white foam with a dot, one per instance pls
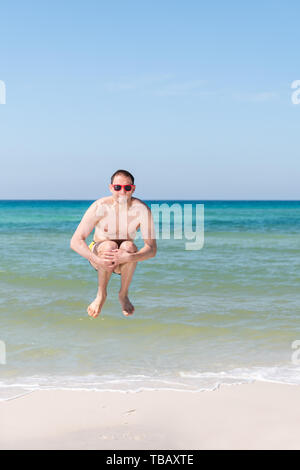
(191, 381)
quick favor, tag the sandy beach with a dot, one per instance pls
(250, 416)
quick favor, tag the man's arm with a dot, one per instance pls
(148, 233)
(87, 224)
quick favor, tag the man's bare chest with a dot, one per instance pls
(118, 222)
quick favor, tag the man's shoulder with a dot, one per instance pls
(140, 204)
(99, 207)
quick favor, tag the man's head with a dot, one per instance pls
(122, 185)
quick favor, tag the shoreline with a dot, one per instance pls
(142, 389)
(258, 415)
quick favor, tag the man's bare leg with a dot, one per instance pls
(127, 270)
(103, 277)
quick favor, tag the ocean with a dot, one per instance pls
(227, 313)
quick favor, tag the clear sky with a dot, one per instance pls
(193, 97)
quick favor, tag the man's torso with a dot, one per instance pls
(118, 221)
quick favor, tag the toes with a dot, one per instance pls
(127, 313)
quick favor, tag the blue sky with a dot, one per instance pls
(194, 98)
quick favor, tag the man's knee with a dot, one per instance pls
(128, 246)
(106, 246)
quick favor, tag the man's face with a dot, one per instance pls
(121, 196)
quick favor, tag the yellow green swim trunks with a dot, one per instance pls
(91, 245)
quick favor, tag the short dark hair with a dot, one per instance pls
(122, 172)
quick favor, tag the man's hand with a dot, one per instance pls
(119, 256)
(109, 260)
(105, 261)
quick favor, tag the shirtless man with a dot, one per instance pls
(116, 219)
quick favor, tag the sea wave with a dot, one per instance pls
(188, 381)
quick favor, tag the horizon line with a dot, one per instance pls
(146, 199)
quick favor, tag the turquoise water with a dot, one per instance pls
(227, 313)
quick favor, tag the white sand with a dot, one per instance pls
(251, 416)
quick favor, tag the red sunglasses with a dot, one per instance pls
(127, 187)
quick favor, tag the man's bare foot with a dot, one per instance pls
(127, 307)
(95, 307)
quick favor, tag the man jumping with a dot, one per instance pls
(116, 219)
